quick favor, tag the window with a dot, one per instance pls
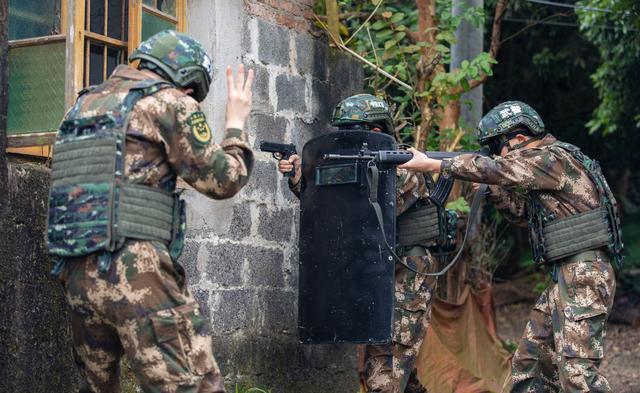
(36, 70)
(113, 28)
(158, 15)
(33, 18)
(46, 69)
(106, 30)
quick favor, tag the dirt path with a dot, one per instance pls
(621, 364)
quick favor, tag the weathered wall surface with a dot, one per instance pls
(34, 337)
(241, 254)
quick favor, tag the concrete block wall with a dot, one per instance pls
(35, 342)
(241, 254)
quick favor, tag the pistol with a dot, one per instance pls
(280, 151)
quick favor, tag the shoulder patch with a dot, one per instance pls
(199, 128)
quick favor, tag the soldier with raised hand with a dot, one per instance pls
(390, 368)
(116, 224)
(573, 227)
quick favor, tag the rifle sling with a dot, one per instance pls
(372, 180)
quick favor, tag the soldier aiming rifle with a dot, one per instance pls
(574, 230)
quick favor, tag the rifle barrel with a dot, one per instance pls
(439, 155)
(344, 157)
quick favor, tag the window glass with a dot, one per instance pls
(152, 24)
(125, 25)
(150, 3)
(167, 6)
(116, 19)
(95, 15)
(96, 63)
(114, 57)
(36, 88)
(33, 18)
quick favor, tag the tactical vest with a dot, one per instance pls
(92, 206)
(553, 238)
(426, 224)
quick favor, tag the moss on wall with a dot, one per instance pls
(35, 344)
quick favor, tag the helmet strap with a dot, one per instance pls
(525, 143)
(147, 65)
(355, 127)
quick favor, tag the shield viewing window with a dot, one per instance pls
(57, 47)
(330, 175)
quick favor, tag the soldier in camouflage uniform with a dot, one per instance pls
(390, 368)
(562, 345)
(138, 303)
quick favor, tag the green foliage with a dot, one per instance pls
(460, 205)
(510, 345)
(616, 34)
(388, 40)
(526, 260)
(540, 287)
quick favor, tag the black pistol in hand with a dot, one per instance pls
(280, 151)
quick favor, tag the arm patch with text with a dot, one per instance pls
(200, 130)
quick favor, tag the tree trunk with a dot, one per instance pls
(333, 20)
(450, 121)
(451, 285)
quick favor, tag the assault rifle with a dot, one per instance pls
(442, 187)
(280, 151)
(438, 196)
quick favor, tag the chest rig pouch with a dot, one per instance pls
(92, 208)
(554, 239)
(426, 224)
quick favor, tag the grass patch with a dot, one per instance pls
(245, 389)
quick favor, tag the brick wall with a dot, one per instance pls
(293, 14)
(35, 344)
(241, 255)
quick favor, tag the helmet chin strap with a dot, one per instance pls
(147, 65)
(522, 144)
(358, 126)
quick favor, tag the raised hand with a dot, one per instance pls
(239, 97)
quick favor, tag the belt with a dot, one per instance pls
(586, 255)
(581, 256)
(413, 251)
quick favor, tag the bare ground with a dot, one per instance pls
(621, 364)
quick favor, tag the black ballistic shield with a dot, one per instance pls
(346, 280)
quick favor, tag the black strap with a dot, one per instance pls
(473, 213)
(525, 143)
(373, 176)
(372, 180)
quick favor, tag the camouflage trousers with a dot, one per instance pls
(563, 341)
(390, 368)
(141, 308)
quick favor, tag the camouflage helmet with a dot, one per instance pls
(179, 58)
(363, 109)
(503, 118)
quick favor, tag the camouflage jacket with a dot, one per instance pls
(168, 136)
(561, 183)
(410, 187)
